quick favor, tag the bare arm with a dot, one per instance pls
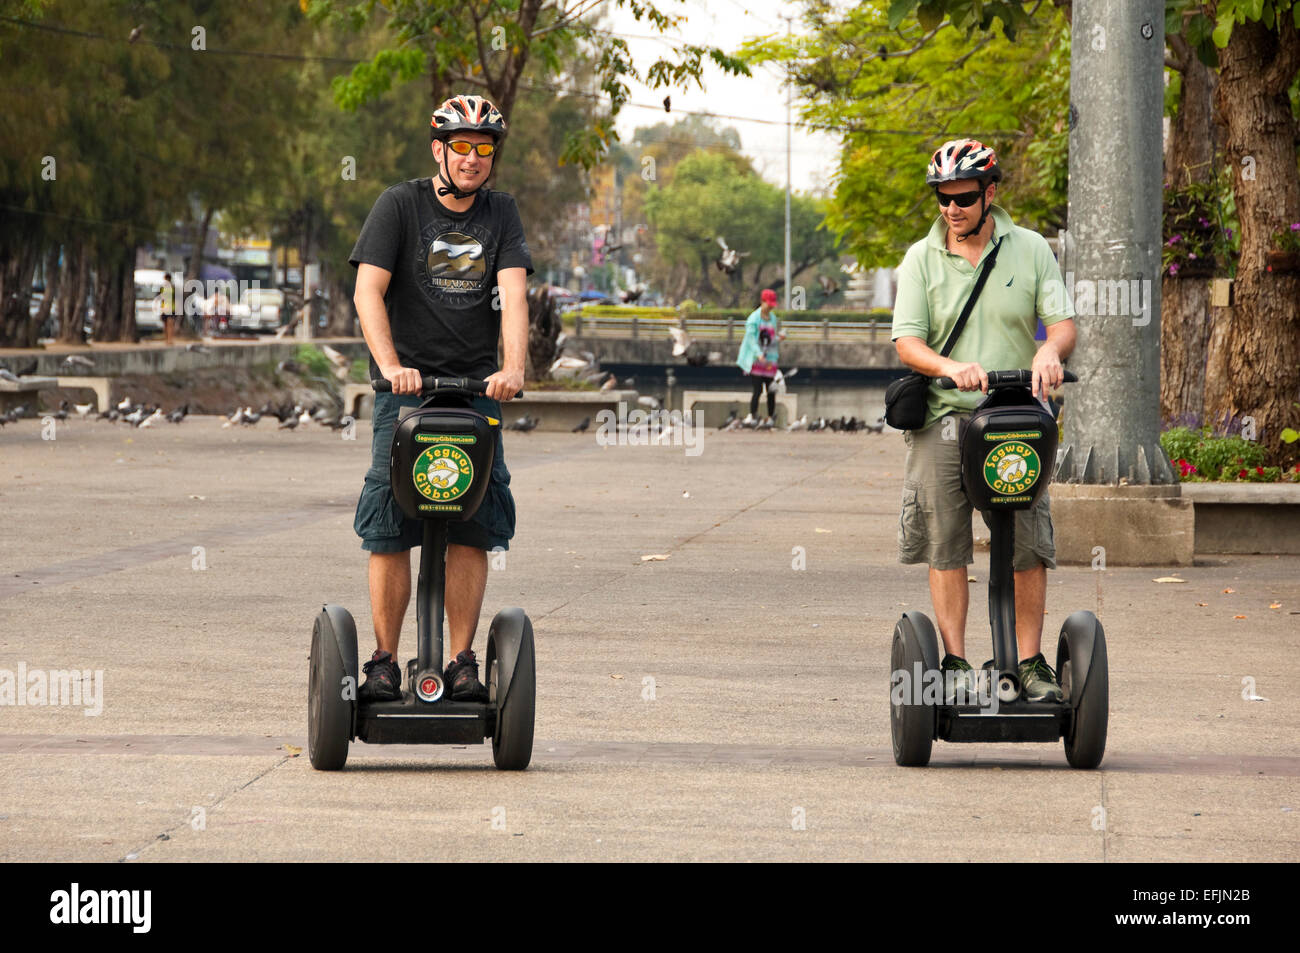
(372, 284)
(1047, 368)
(921, 358)
(512, 285)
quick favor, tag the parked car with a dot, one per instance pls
(148, 310)
(259, 310)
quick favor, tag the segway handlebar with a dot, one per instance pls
(1005, 379)
(431, 385)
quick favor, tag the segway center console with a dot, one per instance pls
(1008, 454)
(441, 463)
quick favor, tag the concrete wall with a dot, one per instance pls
(804, 354)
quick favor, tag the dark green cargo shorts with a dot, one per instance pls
(380, 522)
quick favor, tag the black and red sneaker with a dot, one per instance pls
(462, 681)
(383, 679)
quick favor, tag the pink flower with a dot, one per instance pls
(1173, 268)
(1191, 254)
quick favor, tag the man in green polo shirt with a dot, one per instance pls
(1025, 286)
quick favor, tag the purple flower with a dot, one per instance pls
(1176, 239)
(1228, 232)
(1173, 268)
(1205, 222)
(1295, 226)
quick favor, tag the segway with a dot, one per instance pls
(1008, 454)
(441, 463)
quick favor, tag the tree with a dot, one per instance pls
(896, 90)
(710, 196)
(487, 45)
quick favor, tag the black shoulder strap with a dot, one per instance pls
(970, 302)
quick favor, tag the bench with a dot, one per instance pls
(787, 402)
(24, 392)
(102, 386)
(354, 396)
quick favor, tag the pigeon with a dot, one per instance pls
(62, 412)
(152, 419)
(179, 414)
(877, 427)
(236, 418)
(288, 367)
(729, 261)
(110, 415)
(124, 404)
(76, 360)
(800, 424)
(135, 34)
(251, 418)
(197, 348)
(305, 418)
(340, 422)
(609, 384)
(319, 414)
(525, 424)
(582, 427)
(668, 103)
(83, 410)
(730, 419)
(8, 375)
(17, 412)
(27, 369)
(681, 341)
(648, 401)
(288, 423)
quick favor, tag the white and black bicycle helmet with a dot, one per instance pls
(963, 159)
(464, 113)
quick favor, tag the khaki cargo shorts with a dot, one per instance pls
(934, 526)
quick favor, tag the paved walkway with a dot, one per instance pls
(717, 704)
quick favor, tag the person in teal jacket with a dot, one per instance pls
(759, 354)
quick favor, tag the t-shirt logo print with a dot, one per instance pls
(455, 262)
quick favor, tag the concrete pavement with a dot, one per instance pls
(718, 704)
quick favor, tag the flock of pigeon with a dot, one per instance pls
(290, 416)
(843, 425)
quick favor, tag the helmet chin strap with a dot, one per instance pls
(980, 224)
(450, 187)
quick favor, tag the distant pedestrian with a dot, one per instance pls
(167, 306)
(759, 354)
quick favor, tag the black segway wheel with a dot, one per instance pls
(1082, 668)
(512, 688)
(330, 697)
(911, 723)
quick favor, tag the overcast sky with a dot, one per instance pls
(727, 24)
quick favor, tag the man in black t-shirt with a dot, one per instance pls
(441, 267)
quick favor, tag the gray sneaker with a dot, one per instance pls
(962, 684)
(1039, 681)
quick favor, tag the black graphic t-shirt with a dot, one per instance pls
(443, 304)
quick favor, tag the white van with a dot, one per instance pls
(148, 310)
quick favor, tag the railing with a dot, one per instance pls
(728, 329)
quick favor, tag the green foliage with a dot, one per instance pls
(314, 360)
(1199, 453)
(712, 195)
(1196, 230)
(1287, 239)
(898, 89)
(359, 372)
(486, 46)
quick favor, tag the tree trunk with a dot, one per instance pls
(72, 293)
(196, 256)
(1185, 302)
(1253, 368)
(17, 328)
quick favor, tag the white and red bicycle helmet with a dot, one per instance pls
(962, 159)
(467, 114)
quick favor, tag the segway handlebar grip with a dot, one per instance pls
(430, 384)
(1005, 379)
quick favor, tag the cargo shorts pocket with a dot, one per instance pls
(377, 517)
(1035, 541)
(911, 527)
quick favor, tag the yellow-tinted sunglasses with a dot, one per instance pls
(463, 148)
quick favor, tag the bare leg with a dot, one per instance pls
(950, 594)
(1031, 599)
(466, 580)
(390, 591)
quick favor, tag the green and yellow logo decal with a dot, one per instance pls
(442, 473)
(1012, 467)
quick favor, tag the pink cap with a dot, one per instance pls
(768, 296)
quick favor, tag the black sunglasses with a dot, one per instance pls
(963, 199)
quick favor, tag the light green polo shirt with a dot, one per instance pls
(1024, 286)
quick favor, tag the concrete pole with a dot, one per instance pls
(789, 94)
(1112, 249)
